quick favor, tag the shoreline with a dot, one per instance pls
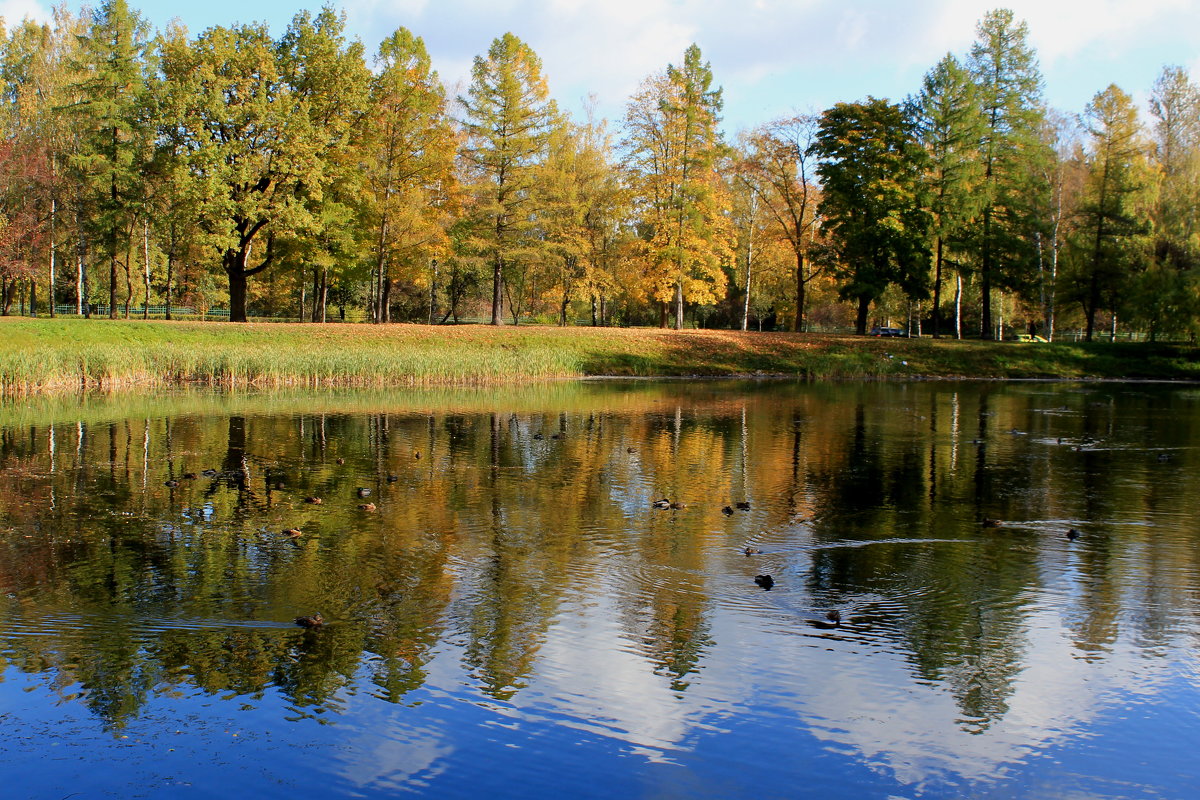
(66, 356)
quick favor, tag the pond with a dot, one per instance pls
(508, 613)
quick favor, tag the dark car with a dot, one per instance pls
(877, 331)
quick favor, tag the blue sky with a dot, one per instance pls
(772, 57)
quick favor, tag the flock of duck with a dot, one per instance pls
(833, 619)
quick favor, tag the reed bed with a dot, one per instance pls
(38, 356)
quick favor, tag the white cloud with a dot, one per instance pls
(13, 11)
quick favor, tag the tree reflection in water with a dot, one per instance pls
(510, 518)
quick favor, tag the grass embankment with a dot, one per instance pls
(55, 355)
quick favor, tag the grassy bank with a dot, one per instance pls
(57, 355)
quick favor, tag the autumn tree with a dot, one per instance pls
(508, 115)
(672, 146)
(871, 169)
(779, 170)
(1169, 290)
(408, 159)
(1005, 71)
(1113, 212)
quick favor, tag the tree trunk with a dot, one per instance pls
(146, 267)
(237, 295)
(679, 304)
(170, 276)
(937, 291)
(112, 276)
(985, 277)
(860, 321)
(958, 305)
(497, 287)
(801, 289)
(50, 285)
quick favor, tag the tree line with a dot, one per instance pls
(291, 177)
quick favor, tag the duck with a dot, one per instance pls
(993, 523)
(189, 476)
(209, 473)
(1164, 457)
(314, 621)
(341, 461)
(630, 450)
(743, 505)
(316, 501)
(280, 485)
(727, 511)
(538, 436)
(1073, 534)
(366, 506)
(663, 503)
(171, 484)
(751, 551)
(765, 581)
(678, 504)
(417, 455)
(833, 619)
(364, 491)
(393, 478)
(558, 436)
(293, 533)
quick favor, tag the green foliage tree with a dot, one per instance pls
(263, 130)
(508, 116)
(871, 168)
(949, 126)
(1009, 83)
(109, 117)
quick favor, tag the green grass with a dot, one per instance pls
(62, 355)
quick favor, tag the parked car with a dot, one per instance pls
(877, 331)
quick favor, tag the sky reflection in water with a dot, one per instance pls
(515, 618)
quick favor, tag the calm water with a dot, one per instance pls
(515, 618)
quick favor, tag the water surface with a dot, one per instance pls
(515, 618)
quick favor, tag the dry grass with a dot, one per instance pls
(69, 354)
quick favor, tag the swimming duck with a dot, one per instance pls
(417, 455)
(341, 461)
(678, 504)
(209, 473)
(393, 478)
(189, 476)
(727, 511)
(293, 533)
(630, 450)
(171, 484)
(663, 503)
(744, 506)
(280, 485)
(316, 501)
(752, 551)
(364, 491)
(993, 523)
(1072, 535)
(833, 619)
(765, 581)
(366, 506)
(315, 621)
(538, 436)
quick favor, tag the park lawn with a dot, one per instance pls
(40, 355)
